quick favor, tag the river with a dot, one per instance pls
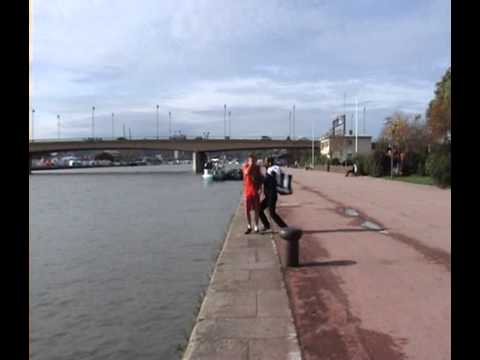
(119, 257)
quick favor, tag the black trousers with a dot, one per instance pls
(271, 204)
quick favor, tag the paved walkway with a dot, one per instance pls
(245, 313)
(366, 294)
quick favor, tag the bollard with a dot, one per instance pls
(292, 236)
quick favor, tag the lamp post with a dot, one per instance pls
(58, 126)
(313, 145)
(224, 121)
(356, 125)
(33, 123)
(290, 125)
(157, 123)
(113, 126)
(229, 123)
(293, 123)
(388, 121)
(169, 124)
(93, 122)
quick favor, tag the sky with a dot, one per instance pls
(259, 57)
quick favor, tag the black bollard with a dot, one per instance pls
(292, 236)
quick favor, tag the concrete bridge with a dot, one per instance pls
(199, 147)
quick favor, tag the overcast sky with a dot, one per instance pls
(257, 56)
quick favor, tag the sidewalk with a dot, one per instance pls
(364, 292)
(245, 313)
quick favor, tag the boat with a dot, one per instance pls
(207, 175)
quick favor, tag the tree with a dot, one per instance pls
(439, 111)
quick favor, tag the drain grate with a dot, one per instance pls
(372, 226)
(351, 212)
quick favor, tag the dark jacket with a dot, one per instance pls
(270, 186)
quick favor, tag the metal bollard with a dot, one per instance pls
(292, 236)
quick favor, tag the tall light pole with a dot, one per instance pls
(290, 124)
(113, 126)
(124, 133)
(356, 125)
(170, 124)
(157, 123)
(224, 121)
(229, 123)
(313, 145)
(388, 122)
(130, 133)
(93, 122)
(58, 126)
(364, 121)
(33, 123)
(293, 124)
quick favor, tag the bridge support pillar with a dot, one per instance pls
(198, 161)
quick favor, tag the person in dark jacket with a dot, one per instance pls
(271, 195)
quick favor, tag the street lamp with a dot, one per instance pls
(388, 121)
(33, 123)
(224, 121)
(229, 123)
(313, 145)
(289, 124)
(93, 122)
(157, 122)
(170, 124)
(113, 127)
(293, 122)
(58, 126)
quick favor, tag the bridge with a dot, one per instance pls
(199, 147)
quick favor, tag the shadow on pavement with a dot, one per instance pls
(339, 230)
(328, 263)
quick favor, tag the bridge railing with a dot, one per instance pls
(174, 138)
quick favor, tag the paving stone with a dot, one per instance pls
(273, 303)
(274, 349)
(220, 304)
(232, 349)
(246, 328)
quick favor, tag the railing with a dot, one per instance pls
(173, 138)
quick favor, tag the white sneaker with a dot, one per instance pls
(256, 229)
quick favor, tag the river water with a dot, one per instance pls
(119, 257)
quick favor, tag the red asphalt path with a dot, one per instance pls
(362, 294)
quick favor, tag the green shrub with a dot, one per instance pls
(414, 163)
(438, 166)
(378, 164)
(335, 161)
(362, 164)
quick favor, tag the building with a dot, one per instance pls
(343, 147)
(337, 144)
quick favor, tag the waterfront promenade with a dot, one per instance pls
(245, 313)
(368, 292)
(373, 282)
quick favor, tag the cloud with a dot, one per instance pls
(258, 57)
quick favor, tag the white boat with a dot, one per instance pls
(207, 175)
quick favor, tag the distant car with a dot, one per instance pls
(122, 138)
(266, 138)
(179, 137)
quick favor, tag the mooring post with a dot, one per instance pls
(292, 236)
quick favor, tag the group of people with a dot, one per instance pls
(255, 183)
